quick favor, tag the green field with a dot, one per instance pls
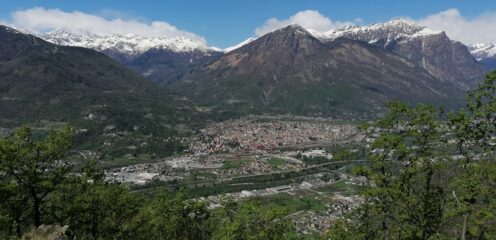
(276, 163)
(235, 163)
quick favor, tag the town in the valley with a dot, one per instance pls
(283, 160)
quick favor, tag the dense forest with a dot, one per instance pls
(431, 175)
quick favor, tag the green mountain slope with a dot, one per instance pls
(115, 110)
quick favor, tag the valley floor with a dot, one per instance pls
(289, 162)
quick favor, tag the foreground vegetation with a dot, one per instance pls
(37, 188)
(432, 175)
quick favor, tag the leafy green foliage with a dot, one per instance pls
(170, 217)
(36, 188)
(248, 222)
(432, 177)
(31, 172)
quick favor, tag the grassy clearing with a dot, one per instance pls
(276, 162)
(231, 164)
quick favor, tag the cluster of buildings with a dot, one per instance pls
(308, 222)
(260, 165)
(137, 174)
(311, 221)
(214, 200)
(252, 135)
(165, 170)
(194, 162)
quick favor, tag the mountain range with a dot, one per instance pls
(211, 76)
(129, 94)
(440, 56)
(124, 48)
(290, 70)
(153, 57)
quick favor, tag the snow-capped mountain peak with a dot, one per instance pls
(483, 50)
(130, 44)
(61, 36)
(392, 30)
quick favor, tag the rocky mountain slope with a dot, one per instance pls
(290, 70)
(394, 60)
(114, 109)
(440, 56)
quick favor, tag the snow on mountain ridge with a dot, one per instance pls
(248, 40)
(389, 31)
(130, 44)
(14, 29)
(483, 50)
(392, 30)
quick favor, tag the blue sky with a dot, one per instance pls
(225, 23)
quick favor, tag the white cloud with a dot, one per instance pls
(309, 19)
(481, 29)
(39, 19)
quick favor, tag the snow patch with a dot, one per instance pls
(249, 40)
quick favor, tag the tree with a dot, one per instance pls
(431, 176)
(339, 231)
(34, 168)
(170, 216)
(92, 207)
(247, 221)
(473, 190)
(406, 162)
(12, 210)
